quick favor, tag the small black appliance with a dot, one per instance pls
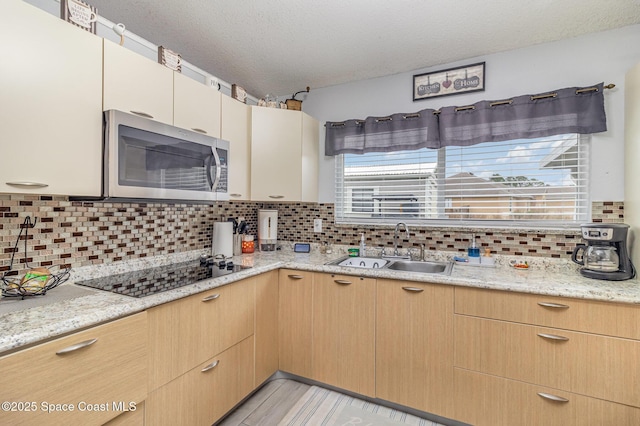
(605, 255)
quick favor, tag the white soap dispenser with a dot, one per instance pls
(362, 245)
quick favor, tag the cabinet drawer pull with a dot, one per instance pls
(295, 277)
(211, 366)
(235, 195)
(195, 129)
(413, 289)
(552, 397)
(553, 337)
(76, 347)
(29, 184)
(342, 282)
(142, 114)
(276, 196)
(210, 298)
(553, 305)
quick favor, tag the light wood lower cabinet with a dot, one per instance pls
(611, 319)
(188, 331)
(414, 345)
(133, 417)
(295, 321)
(106, 364)
(266, 326)
(344, 332)
(593, 365)
(207, 392)
(483, 399)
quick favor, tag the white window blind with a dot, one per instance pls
(528, 181)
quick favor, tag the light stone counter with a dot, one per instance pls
(27, 326)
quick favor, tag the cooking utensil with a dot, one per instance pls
(242, 227)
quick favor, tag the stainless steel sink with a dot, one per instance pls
(422, 267)
(361, 262)
(429, 267)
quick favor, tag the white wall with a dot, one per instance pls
(580, 61)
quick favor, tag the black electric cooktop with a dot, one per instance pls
(150, 281)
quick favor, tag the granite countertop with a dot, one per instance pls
(24, 327)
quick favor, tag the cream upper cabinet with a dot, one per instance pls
(196, 107)
(50, 108)
(414, 345)
(344, 332)
(136, 84)
(284, 155)
(236, 128)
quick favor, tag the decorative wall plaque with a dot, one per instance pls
(169, 59)
(238, 93)
(451, 81)
(79, 14)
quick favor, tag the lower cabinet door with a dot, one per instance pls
(482, 399)
(414, 345)
(203, 395)
(344, 332)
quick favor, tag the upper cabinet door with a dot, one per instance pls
(284, 155)
(50, 104)
(236, 128)
(135, 84)
(195, 106)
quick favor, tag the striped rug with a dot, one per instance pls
(322, 407)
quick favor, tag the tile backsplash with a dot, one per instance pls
(73, 234)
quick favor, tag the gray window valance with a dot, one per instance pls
(570, 110)
(398, 132)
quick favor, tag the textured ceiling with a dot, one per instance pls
(282, 46)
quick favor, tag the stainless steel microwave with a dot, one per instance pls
(145, 159)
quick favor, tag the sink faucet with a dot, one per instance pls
(396, 236)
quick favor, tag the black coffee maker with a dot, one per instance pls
(605, 255)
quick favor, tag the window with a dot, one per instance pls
(539, 182)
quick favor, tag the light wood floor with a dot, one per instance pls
(267, 406)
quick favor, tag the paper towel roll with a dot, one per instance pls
(223, 238)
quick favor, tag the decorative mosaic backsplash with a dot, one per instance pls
(73, 234)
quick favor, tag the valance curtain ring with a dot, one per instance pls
(548, 95)
(408, 116)
(378, 120)
(465, 108)
(497, 103)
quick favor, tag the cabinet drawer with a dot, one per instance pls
(482, 399)
(131, 418)
(102, 365)
(187, 332)
(599, 366)
(613, 319)
(206, 393)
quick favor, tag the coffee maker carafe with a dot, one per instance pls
(605, 255)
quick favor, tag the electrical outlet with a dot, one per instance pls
(317, 225)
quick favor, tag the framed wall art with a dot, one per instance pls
(452, 81)
(80, 14)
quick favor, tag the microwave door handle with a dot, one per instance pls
(214, 185)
